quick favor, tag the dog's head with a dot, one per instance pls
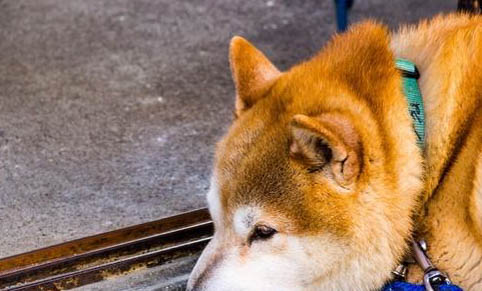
(314, 183)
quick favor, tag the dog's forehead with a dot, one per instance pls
(251, 150)
(259, 176)
(253, 167)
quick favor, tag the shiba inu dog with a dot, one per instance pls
(319, 183)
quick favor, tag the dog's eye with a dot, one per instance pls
(262, 232)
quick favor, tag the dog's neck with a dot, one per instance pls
(444, 123)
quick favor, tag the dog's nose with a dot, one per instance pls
(195, 282)
(205, 267)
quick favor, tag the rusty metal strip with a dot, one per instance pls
(101, 272)
(93, 258)
(102, 240)
(108, 254)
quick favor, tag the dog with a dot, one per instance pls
(319, 183)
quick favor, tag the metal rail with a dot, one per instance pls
(95, 258)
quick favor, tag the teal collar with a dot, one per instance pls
(414, 97)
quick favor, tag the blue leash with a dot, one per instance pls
(433, 278)
(405, 286)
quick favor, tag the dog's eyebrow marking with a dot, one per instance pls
(244, 219)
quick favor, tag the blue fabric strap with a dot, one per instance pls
(405, 286)
(414, 97)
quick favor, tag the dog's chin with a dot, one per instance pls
(232, 280)
(308, 263)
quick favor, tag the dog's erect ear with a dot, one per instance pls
(253, 73)
(327, 142)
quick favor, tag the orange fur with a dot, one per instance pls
(327, 149)
(448, 52)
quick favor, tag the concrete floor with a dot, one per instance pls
(109, 110)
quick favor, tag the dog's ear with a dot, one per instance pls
(253, 73)
(328, 143)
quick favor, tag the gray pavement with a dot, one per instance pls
(109, 110)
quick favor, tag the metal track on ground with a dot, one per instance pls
(95, 258)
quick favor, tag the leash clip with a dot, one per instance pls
(400, 273)
(433, 278)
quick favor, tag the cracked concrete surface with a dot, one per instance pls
(109, 110)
